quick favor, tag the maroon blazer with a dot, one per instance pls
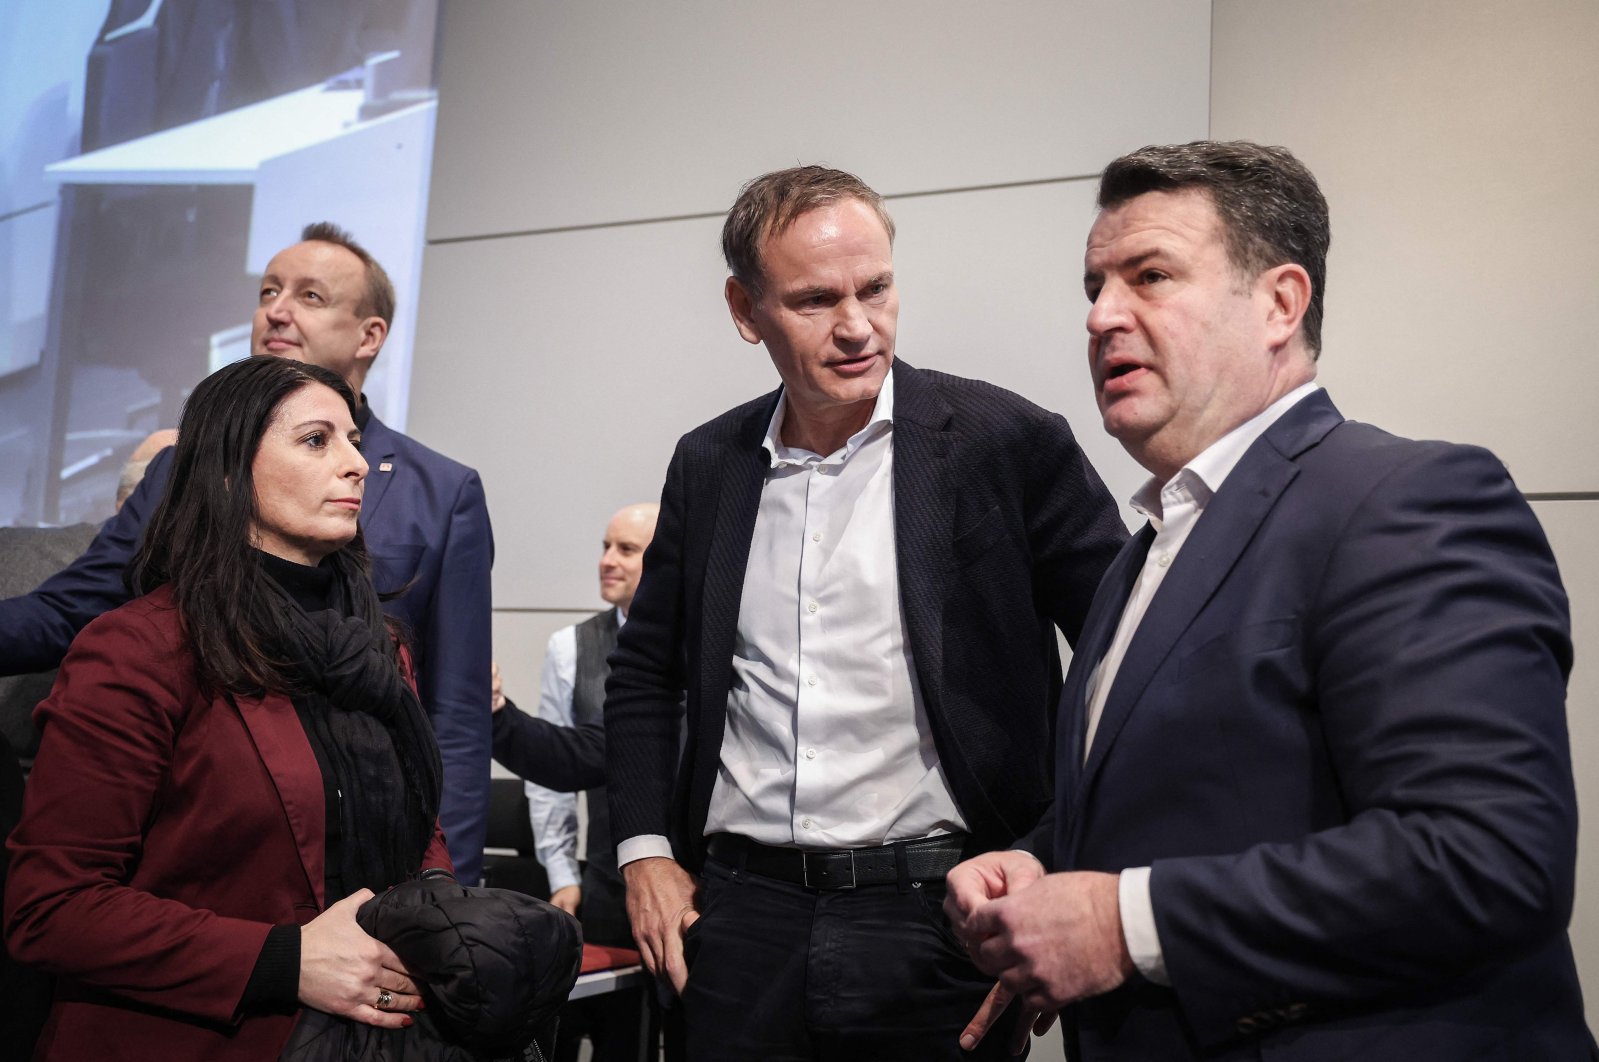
(163, 834)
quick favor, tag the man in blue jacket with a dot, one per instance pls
(326, 301)
(1313, 786)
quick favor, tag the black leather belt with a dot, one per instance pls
(845, 868)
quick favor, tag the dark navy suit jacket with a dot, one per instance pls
(1001, 529)
(567, 759)
(426, 526)
(1339, 740)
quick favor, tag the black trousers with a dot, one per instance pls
(780, 973)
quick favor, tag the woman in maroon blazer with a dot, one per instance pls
(232, 762)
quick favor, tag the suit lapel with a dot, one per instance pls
(1229, 524)
(377, 446)
(924, 521)
(286, 752)
(1099, 628)
(738, 476)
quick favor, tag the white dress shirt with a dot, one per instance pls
(827, 742)
(554, 815)
(1173, 508)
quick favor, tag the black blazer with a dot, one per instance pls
(1002, 530)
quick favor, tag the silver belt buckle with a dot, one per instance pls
(805, 870)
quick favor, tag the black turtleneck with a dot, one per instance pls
(311, 587)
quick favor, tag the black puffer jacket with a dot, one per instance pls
(494, 966)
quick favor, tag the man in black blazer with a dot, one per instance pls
(856, 581)
(1314, 786)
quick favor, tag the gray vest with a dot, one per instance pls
(596, 637)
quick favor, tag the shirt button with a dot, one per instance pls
(805, 823)
(811, 681)
(1164, 560)
(810, 754)
(812, 607)
(816, 536)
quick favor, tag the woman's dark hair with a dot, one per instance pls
(199, 538)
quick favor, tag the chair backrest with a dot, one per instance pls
(509, 825)
(509, 862)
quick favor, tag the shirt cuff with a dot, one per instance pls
(1138, 925)
(563, 872)
(1030, 852)
(643, 846)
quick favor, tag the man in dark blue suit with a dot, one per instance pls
(326, 301)
(1314, 794)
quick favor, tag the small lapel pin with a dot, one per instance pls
(385, 466)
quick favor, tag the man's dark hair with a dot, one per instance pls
(769, 204)
(1270, 206)
(199, 538)
(379, 298)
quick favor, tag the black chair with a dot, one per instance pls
(508, 860)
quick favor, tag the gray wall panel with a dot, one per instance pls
(557, 114)
(1570, 525)
(1458, 144)
(565, 366)
(991, 286)
(519, 640)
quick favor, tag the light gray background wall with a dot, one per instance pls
(571, 325)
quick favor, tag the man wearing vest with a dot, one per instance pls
(572, 695)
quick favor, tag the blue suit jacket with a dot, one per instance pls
(1339, 739)
(427, 528)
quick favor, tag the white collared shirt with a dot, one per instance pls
(554, 815)
(827, 743)
(1173, 509)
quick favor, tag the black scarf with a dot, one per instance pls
(370, 726)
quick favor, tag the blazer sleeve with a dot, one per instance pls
(437, 856)
(644, 694)
(36, 628)
(1073, 528)
(109, 729)
(1439, 642)
(567, 759)
(1039, 842)
(454, 672)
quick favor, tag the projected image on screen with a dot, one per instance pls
(157, 153)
